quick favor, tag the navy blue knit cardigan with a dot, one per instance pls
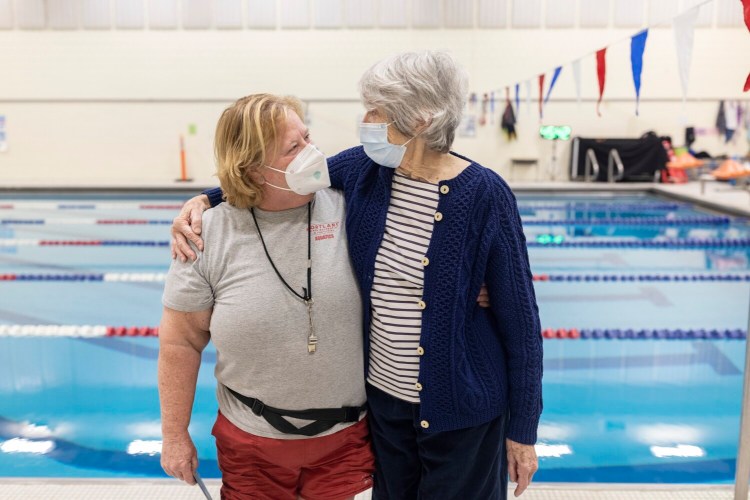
(477, 363)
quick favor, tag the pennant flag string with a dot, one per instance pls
(599, 53)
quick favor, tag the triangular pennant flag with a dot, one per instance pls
(637, 47)
(747, 83)
(601, 73)
(684, 31)
(518, 98)
(576, 65)
(541, 95)
(552, 83)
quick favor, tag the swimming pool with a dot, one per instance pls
(644, 301)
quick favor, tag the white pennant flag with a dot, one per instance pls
(527, 84)
(577, 78)
(684, 31)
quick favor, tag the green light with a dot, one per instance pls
(555, 132)
(550, 239)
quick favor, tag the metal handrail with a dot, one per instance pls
(591, 162)
(612, 160)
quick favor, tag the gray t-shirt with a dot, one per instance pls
(259, 328)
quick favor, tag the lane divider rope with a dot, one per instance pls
(89, 206)
(633, 221)
(88, 331)
(688, 243)
(619, 221)
(640, 277)
(61, 221)
(98, 277)
(604, 207)
(89, 243)
(555, 278)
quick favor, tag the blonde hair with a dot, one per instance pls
(246, 137)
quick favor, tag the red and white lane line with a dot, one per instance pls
(85, 243)
(82, 205)
(81, 222)
(85, 331)
(100, 277)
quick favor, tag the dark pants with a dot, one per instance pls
(411, 464)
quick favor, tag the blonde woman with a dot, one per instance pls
(275, 292)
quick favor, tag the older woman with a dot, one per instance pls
(454, 390)
(275, 291)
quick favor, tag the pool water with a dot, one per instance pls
(651, 393)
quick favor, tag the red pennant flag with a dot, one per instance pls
(601, 73)
(541, 94)
(747, 83)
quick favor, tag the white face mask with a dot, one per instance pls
(374, 138)
(307, 172)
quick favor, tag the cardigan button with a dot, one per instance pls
(421, 304)
(418, 386)
(444, 189)
(420, 350)
(425, 424)
(425, 261)
(438, 216)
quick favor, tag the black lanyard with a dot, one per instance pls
(306, 295)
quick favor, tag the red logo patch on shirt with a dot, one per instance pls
(325, 231)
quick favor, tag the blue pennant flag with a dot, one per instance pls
(552, 83)
(637, 46)
(518, 98)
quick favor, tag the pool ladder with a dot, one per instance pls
(613, 159)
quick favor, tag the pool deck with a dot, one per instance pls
(164, 489)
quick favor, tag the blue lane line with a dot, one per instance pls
(687, 243)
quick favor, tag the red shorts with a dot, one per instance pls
(332, 467)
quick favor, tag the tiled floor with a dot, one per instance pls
(18, 489)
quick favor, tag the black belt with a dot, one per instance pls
(324, 418)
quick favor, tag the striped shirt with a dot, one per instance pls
(397, 288)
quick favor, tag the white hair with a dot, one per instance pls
(418, 87)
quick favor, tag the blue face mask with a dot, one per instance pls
(374, 138)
